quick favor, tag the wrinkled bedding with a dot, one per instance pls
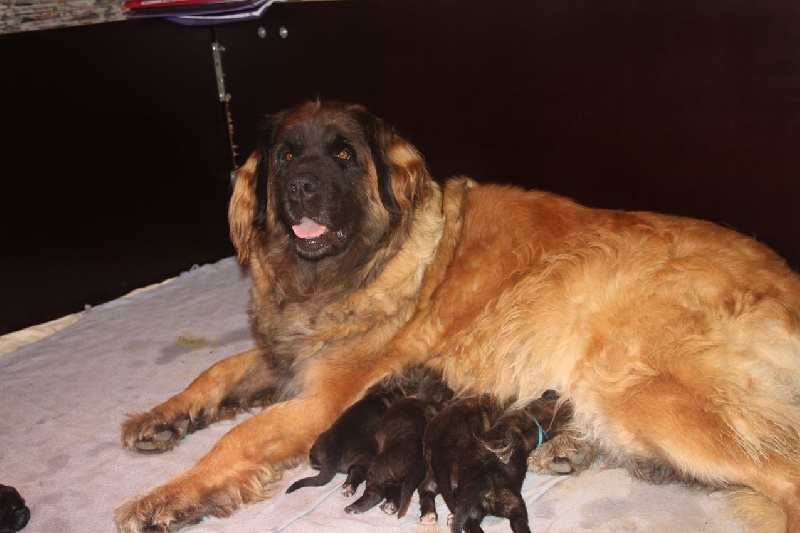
(65, 389)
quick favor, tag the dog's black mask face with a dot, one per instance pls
(14, 514)
(320, 180)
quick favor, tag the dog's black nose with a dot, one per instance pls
(302, 187)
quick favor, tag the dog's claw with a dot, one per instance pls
(562, 455)
(148, 433)
(560, 465)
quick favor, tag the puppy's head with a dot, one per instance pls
(14, 514)
(324, 176)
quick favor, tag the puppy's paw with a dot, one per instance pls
(351, 510)
(348, 490)
(428, 519)
(562, 455)
(156, 433)
(389, 507)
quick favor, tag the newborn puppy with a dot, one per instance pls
(14, 514)
(492, 469)
(447, 436)
(349, 446)
(399, 465)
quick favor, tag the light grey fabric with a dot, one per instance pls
(62, 400)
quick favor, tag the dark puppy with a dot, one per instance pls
(447, 436)
(399, 466)
(349, 446)
(493, 468)
(14, 514)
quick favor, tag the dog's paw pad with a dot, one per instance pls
(388, 507)
(145, 446)
(163, 436)
(348, 490)
(578, 458)
(154, 436)
(560, 465)
(428, 519)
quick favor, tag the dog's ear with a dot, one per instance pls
(402, 174)
(379, 138)
(247, 212)
(243, 206)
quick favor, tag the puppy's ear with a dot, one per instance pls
(242, 207)
(403, 176)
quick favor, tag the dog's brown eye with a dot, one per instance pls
(287, 156)
(344, 154)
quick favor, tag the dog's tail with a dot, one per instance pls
(442, 473)
(469, 498)
(758, 511)
(410, 484)
(323, 478)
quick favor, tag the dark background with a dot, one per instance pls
(120, 155)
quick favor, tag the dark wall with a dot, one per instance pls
(116, 171)
(679, 106)
(115, 168)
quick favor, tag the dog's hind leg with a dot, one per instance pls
(517, 512)
(356, 475)
(783, 488)
(427, 501)
(730, 443)
(391, 502)
(372, 496)
(227, 387)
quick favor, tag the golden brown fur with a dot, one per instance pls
(676, 341)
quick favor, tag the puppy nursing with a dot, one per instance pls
(349, 445)
(399, 466)
(474, 451)
(490, 473)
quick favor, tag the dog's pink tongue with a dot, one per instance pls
(308, 229)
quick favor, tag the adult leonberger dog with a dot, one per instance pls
(676, 341)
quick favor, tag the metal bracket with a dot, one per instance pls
(216, 52)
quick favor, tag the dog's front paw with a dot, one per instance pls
(156, 433)
(156, 514)
(561, 455)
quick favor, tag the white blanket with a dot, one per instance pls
(62, 400)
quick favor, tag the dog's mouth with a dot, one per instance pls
(314, 240)
(309, 229)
